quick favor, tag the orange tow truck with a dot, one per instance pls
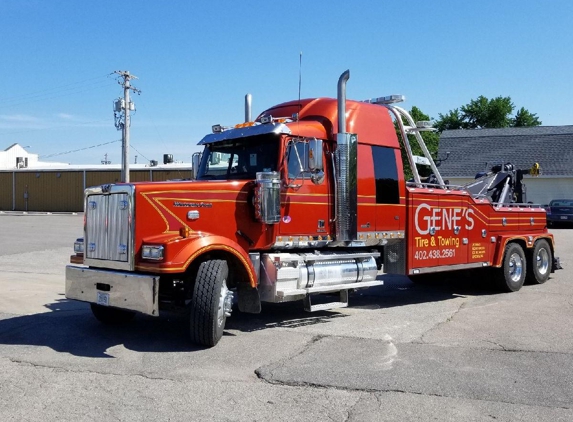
(308, 199)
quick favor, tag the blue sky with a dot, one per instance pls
(196, 61)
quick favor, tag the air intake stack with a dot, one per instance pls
(346, 167)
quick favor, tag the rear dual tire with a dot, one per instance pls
(511, 276)
(539, 264)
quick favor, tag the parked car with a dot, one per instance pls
(559, 211)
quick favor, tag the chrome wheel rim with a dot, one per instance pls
(225, 304)
(542, 261)
(515, 267)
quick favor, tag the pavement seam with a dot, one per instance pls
(299, 384)
(500, 348)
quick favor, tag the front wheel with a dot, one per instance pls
(511, 275)
(539, 266)
(211, 303)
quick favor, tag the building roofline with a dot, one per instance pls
(508, 131)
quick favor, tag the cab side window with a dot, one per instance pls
(386, 174)
(297, 156)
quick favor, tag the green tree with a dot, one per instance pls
(525, 118)
(486, 113)
(453, 119)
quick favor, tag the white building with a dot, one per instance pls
(17, 157)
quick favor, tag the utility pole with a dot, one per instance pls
(121, 108)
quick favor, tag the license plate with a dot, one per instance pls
(563, 217)
(103, 299)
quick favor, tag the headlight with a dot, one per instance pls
(79, 246)
(152, 252)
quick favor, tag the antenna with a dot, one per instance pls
(299, 82)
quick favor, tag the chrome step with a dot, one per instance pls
(286, 293)
(342, 303)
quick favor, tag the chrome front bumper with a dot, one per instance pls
(118, 289)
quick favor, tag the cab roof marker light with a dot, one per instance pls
(246, 124)
(389, 99)
(425, 124)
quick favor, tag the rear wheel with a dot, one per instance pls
(211, 303)
(111, 316)
(511, 275)
(539, 266)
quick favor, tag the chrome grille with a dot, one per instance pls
(108, 228)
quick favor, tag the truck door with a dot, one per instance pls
(478, 231)
(305, 206)
(390, 208)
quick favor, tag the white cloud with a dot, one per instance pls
(23, 118)
(65, 116)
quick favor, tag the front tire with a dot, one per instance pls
(111, 316)
(539, 266)
(211, 303)
(510, 277)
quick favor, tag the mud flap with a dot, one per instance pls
(249, 300)
(556, 264)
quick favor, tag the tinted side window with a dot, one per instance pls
(297, 160)
(386, 175)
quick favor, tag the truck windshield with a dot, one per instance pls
(239, 158)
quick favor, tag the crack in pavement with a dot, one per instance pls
(74, 371)
(280, 363)
(440, 323)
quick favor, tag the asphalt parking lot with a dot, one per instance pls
(457, 351)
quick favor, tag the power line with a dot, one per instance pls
(74, 91)
(73, 125)
(136, 150)
(78, 150)
(47, 91)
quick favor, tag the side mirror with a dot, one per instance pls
(315, 163)
(196, 161)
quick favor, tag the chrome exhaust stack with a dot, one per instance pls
(248, 107)
(341, 92)
(346, 168)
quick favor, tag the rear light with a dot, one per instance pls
(153, 252)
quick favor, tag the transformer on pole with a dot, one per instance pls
(121, 109)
